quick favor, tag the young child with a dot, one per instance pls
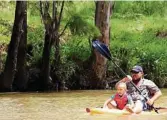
(120, 100)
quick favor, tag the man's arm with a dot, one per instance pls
(126, 79)
(153, 88)
(154, 98)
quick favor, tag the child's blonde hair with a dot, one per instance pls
(122, 84)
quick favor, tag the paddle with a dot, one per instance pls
(103, 49)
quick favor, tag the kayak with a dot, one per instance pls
(93, 111)
(104, 111)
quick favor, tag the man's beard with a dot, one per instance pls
(136, 81)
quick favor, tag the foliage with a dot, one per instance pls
(81, 20)
(130, 47)
(134, 40)
(77, 47)
(66, 70)
(134, 9)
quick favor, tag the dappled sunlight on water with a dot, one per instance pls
(68, 105)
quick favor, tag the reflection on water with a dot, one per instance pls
(68, 105)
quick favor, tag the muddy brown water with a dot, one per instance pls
(68, 105)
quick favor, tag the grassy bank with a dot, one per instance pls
(137, 37)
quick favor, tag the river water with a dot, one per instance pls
(68, 105)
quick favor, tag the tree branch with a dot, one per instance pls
(64, 29)
(55, 12)
(61, 12)
(41, 10)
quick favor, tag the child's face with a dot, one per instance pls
(121, 90)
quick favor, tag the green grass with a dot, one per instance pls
(133, 35)
(135, 42)
(7, 18)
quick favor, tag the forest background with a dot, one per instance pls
(138, 35)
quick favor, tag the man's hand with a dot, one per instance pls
(126, 79)
(129, 77)
(150, 102)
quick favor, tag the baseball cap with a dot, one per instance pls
(137, 68)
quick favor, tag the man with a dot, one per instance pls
(147, 87)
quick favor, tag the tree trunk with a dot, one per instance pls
(99, 67)
(57, 53)
(56, 41)
(20, 81)
(11, 61)
(52, 25)
(49, 23)
(102, 21)
(45, 71)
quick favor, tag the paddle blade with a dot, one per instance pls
(106, 50)
(102, 49)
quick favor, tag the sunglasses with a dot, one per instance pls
(134, 72)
